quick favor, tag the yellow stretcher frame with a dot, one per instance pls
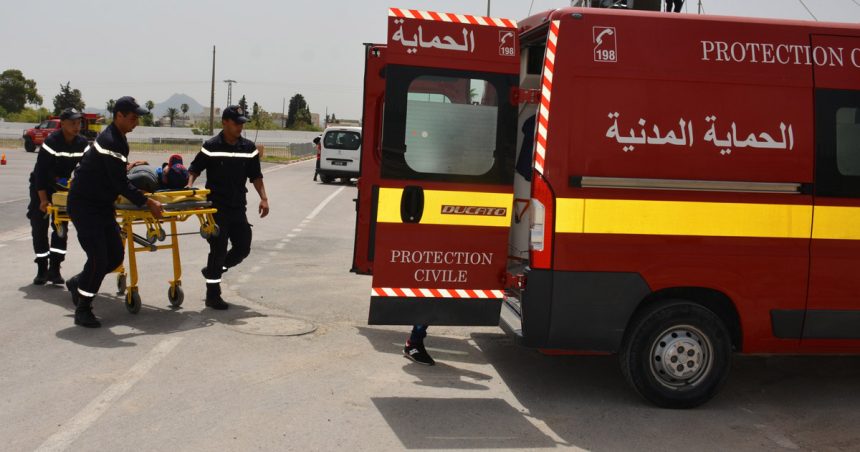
(179, 206)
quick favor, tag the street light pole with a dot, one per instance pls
(488, 8)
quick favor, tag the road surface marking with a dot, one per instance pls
(322, 205)
(71, 430)
(13, 200)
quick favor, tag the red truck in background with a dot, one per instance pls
(92, 125)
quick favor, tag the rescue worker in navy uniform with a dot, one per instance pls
(98, 180)
(230, 161)
(58, 156)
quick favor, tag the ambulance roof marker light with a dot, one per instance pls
(577, 16)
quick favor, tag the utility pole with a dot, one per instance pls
(701, 8)
(212, 98)
(488, 8)
(230, 91)
(284, 110)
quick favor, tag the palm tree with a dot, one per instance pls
(110, 104)
(150, 105)
(184, 108)
(171, 114)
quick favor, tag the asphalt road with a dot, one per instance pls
(197, 379)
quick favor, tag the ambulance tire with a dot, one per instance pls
(677, 355)
(29, 146)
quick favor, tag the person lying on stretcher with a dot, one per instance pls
(171, 176)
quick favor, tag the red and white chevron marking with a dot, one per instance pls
(435, 293)
(453, 18)
(546, 94)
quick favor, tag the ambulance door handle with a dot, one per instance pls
(412, 204)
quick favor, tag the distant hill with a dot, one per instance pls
(175, 101)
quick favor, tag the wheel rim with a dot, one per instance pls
(681, 356)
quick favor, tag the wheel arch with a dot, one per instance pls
(714, 300)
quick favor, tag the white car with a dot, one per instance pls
(340, 154)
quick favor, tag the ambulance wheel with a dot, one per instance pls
(121, 284)
(175, 295)
(132, 301)
(29, 146)
(677, 355)
(326, 179)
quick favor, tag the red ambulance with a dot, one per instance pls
(668, 188)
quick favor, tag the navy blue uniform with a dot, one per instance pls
(55, 162)
(228, 169)
(99, 179)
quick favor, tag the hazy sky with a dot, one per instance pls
(153, 48)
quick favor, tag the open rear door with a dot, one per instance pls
(436, 192)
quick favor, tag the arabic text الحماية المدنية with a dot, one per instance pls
(762, 140)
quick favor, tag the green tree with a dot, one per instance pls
(172, 113)
(68, 98)
(16, 91)
(147, 118)
(297, 103)
(244, 104)
(184, 108)
(109, 105)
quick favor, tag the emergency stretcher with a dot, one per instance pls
(179, 206)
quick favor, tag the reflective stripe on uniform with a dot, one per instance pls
(45, 147)
(213, 281)
(45, 254)
(113, 154)
(85, 293)
(229, 154)
(58, 251)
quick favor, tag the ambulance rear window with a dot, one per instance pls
(848, 141)
(451, 125)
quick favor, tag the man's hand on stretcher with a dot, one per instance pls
(155, 207)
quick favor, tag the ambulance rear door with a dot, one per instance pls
(442, 175)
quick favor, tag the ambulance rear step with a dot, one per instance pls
(510, 319)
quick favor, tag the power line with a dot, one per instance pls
(856, 2)
(807, 10)
(530, 8)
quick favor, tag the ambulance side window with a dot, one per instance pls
(837, 123)
(448, 125)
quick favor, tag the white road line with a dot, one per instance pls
(71, 430)
(13, 200)
(322, 205)
(280, 167)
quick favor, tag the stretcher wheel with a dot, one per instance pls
(175, 295)
(62, 229)
(216, 231)
(161, 234)
(152, 236)
(121, 284)
(204, 231)
(132, 301)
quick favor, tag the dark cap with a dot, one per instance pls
(127, 104)
(70, 113)
(235, 113)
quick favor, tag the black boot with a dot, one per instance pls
(84, 314)
(72, 285)
(54, 276)
(213, 297)
(41, 271)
